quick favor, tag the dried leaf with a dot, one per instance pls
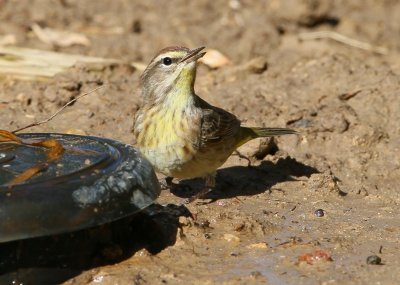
(214, 59)
(59, 38)
(24, 63)
(55, 148)
(30, 172)
(6, 136)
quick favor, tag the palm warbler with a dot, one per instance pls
(178, 132)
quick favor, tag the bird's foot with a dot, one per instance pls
(236, 152)
(167, 184)
(198, 195)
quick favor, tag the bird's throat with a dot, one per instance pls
(181, 96)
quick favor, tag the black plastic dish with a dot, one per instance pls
(95, 181)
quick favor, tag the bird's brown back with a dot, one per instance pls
(217, 125)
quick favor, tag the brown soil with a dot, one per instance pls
(261, 219)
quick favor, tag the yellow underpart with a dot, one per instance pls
(162, 130)
(181, 95)
(167, 126)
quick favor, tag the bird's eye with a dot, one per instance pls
(167, 61)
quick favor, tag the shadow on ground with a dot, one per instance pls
(248, 181)
(54, 259)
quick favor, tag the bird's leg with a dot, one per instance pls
(167, 183)
(209, 185)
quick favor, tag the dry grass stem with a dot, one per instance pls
(59, 110)
(343, 39)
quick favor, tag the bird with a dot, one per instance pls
(181, 134)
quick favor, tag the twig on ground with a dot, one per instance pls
(59, 110)
(348, 95)
(343, 39)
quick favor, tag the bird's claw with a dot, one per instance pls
(198, 195)
(167, 184)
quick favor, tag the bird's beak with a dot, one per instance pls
(193, 55)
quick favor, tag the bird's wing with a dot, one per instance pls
(217, 125)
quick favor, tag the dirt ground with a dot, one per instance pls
(260, 223)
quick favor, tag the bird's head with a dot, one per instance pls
(173, 69)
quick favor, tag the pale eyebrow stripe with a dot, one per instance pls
(172, 55)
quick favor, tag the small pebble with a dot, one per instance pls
(75, 132)
(260, 245)
(257, 65)
(184, 221)
(319, 213)
(316, 256)
(221, 203)
(374, 259)
(231, 238)
(99, 278)
(255, 274)
(203, 224)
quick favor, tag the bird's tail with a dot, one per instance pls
(270, 132)
(248, 134)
